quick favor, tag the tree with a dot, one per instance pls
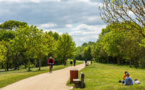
(131, 12)
(44, 45)
(87, 53)
(12, 24)
(6, 35)
(3, 53)
(27, 38)
(55, 35)
(65, 47)
(79, 53)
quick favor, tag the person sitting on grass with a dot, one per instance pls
(128, 80)
(124, 76)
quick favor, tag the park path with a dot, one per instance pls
(48, 81)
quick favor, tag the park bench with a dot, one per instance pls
(79, 83)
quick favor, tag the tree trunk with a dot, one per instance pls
(29, 63)
(65, 61)
(107, 59)
(113, 60)
(118, 60)
(7, 67)
(40, 62)
(136, 62)
(130, 63)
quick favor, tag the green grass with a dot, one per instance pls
(106, 76)
(9, 77)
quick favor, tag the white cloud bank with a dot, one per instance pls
(84, 33)
(47, 25)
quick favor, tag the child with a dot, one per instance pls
(123, 78)
(124, 75)
(71, 63)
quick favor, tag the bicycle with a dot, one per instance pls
(50, 68)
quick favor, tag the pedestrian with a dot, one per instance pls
(85, 61)
(71, 63)
(74, 62)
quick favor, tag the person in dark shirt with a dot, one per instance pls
(71, 63)
(74, 62)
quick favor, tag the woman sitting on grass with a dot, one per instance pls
(124, 75)
(128, 80)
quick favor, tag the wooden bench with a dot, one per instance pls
(79, 83)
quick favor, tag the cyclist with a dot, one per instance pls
(51, 62)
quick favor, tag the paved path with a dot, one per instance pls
(48, 81)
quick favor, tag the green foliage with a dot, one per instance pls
(65, 47)
(118, 45)
(12, 24)
(87, 53)
(3, 52)
(6, 35)
(28, 45)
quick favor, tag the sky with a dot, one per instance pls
(79, 18)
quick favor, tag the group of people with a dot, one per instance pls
(71, 62)
(127, 80)
(51, 62)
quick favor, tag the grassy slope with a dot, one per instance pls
(106, 76)
(10, 77)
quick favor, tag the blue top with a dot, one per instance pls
(85, 61)
(128, 81)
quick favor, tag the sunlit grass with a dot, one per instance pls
(9, 77)
(106, 76)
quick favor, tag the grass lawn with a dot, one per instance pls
(9, 77)
(106, 76)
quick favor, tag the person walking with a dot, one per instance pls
(71, 63)
(85, 61)
(74, 62)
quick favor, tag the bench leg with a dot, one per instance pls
(77, 85)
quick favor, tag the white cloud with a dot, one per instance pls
(68, 25)
(85, 33)
(37, 1)
(84, 27)
(47, 25)
(85, 1)
(93, 18)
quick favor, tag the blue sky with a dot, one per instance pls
(79, 18)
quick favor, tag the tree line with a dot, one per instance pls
(123, 40)
(115, 45)
(21, 44)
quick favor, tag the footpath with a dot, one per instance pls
(48, 81)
